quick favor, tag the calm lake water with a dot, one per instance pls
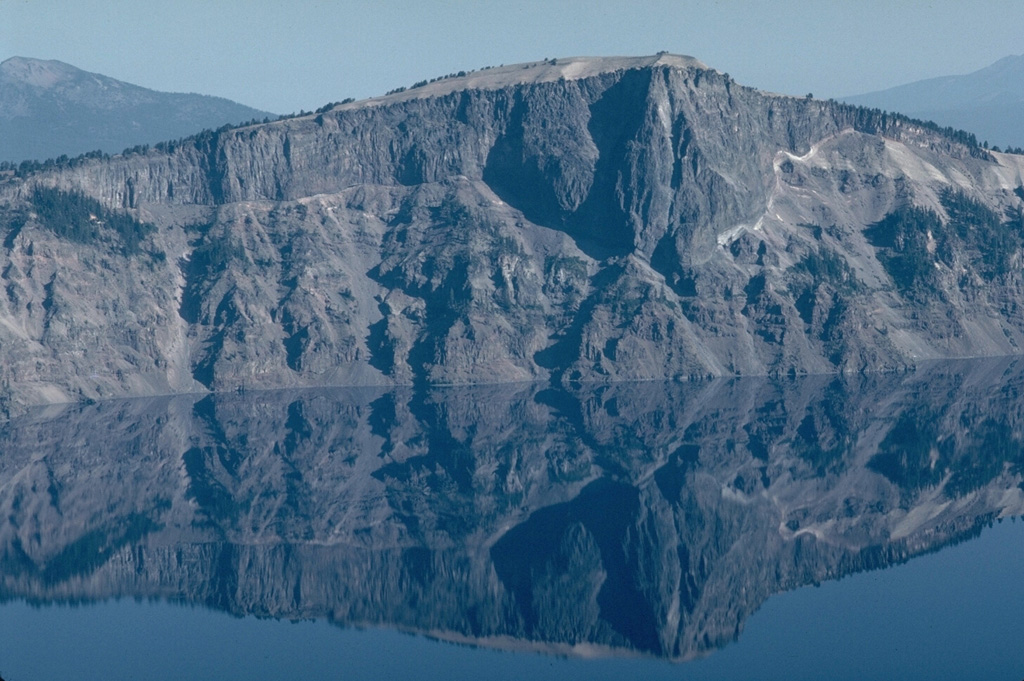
(851, 527)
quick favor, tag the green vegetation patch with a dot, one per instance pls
(822, 439)
(825, 265)
(82, 219)
(914, 456)
(902, 242)
(824, 274)
(909, 453)
(990, 240)
(910, 241)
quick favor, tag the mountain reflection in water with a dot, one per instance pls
(651, 518)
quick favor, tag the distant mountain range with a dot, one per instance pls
(988, 102)
(49, 108)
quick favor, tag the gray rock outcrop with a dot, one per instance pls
(584, 220)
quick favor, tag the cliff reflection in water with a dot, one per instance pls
(633, 517)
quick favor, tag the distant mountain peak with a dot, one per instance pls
(1012, 62)
(988, 102)
(49, 108)
(1012, 58)
(39, 73)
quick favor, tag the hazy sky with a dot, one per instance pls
(283, 56)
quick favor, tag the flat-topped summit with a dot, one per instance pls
(543, 71)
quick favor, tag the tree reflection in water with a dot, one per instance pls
(651, 518)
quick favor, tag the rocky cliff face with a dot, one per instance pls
(651, 518)
(590, 220)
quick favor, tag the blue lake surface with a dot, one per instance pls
(827, 527)
(949, 615)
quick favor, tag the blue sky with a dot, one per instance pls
(285, 56)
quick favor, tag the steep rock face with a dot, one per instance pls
(586, 220)
(651, 518)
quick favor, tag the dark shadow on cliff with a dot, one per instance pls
(565, 347)
(532, 181)
(546, 543)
